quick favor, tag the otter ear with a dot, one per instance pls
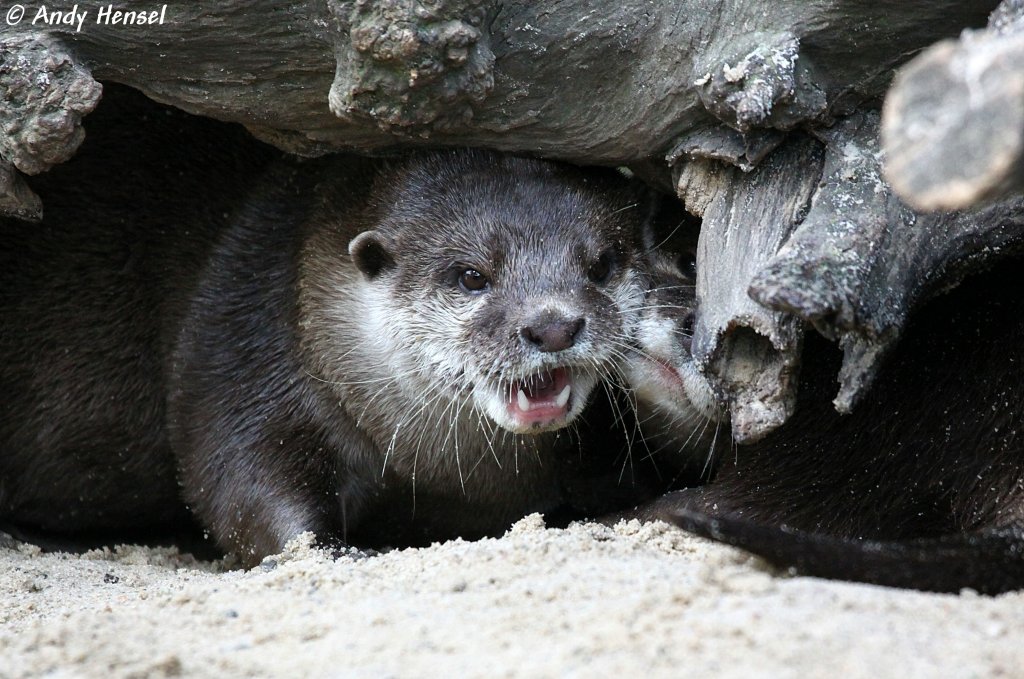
(370, 254)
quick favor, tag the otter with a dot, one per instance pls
(922, 486)
(397, 360)
(385, 352)
(661, 424)
(680, 416)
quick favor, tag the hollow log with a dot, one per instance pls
(814, 235)
(750, 352)
(953, 128)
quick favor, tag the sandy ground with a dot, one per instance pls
(589, 601)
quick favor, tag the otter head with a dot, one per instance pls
(661, 370)
(502, 284)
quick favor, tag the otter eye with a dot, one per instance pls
(472, 281)
(601, 270)
(686, 325)
(687, 264)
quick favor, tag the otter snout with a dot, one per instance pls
(550, 331)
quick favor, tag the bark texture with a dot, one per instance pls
(762, 116)
(591, 82)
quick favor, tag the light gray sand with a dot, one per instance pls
(590, 601)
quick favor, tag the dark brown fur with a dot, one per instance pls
(85, 300)
(211, 325)
(921, 486)
(287, 416)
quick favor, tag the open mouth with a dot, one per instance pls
(678, 387)
(542, 398)
(670, 377)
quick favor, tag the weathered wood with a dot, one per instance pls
(614, 83)
(816, 235)
(750, 352)
(411, 66)
(861, 260)
(953, 129)
(824, 272)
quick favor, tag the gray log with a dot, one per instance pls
(953, 128)
(613, 83)
(750, 352)
(862, 260)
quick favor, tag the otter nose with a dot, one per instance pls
(550, 334)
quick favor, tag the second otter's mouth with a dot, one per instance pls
(540, 399)
(671, 380)
(675, 386)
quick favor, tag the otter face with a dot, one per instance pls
(517, 281)
(661, 370)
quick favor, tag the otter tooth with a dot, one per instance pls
(563, 396)
(524, 403)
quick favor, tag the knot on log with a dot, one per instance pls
(770, 86)
(412, 66)
(826, 297)
(43, 95)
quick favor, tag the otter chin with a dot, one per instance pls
(663, 376)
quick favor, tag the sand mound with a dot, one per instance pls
(630, 601)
